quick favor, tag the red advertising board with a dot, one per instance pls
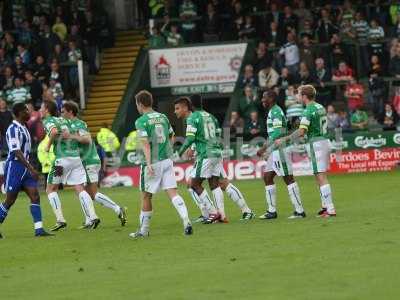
(370, 160)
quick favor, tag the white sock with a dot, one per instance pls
(270, 195)
(87, 205)
(237, 197)
(180, 207)
(199, 203)
(326, 198)
(205, 198)
(294, 195)
(144, 221)
(218, 196)
(56, 206)
(107, 202)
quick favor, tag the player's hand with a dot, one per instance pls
(66, 135)
(260, 152)
(150, 171)
(278, 142)
(35, 174)
(190, 154)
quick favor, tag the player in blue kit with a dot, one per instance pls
(19, 174)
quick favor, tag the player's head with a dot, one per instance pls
(183, 107)
(269, 98)
(20, 112)
(69, 110)
(307, 93)
(144, 100)
(48, 108)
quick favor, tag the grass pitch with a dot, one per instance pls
(355, 256)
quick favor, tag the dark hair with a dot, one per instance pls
(51, 106)
(270, 94)
(185, 101)
(71, 106)
(197, 101)
(145, 98)
(18, 108)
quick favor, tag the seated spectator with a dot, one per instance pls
(247, 103)
(173, 38)
(188, 11)
(322, 75)
(343, 121)
(248, 30)
(25, 34)
(253, 127)
(248, 78)
(236, 124)
(290, 51)
(55, 71)
(389, 119)
(6, 119)
(359, 119)
(24, 54)
(261, 58)
(347, 32)
(304, 76)
(308, 30)
(294, 107)
(156, 40)
(211, 24)
(333, 118)
(19, 93)
(41, 70)
(354, 93)
(7, 79)
(285, 80)
(19, 67)
(376, 66)
(9, 45)
(267, 77)
(343, 73)
(35, 89)
(58, 55)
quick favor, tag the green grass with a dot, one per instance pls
(355, 256)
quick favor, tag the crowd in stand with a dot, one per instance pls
(40, 44)
(345, 48)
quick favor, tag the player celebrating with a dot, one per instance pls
(313, 126)
(19, 173)
(154, 132)
(278, 162)
(203, 130)
(67, 167)
(90, 160)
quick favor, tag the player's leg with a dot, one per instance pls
(218, 197)
(92, 172)
(270, 190)
(294, 196)
(54, 179)
(196, 199)
(328, 208)
(144, 217)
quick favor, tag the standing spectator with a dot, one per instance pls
(261, 58)
(303, 14)
(25, 35)
(211, 25)
(290, 51)
(35, 89)
(333, 118)
(377, 89)
(247, 103)
(188, 11)
(394, 65)
(338, 51)
(19, 67)
(359, 119)
(253, 127)
(389, 118)
(322, 75)
(9, 45)
(308, 30)
(41, 70)
(343, 73)
(274, 36)
(55, 71)
(19, 93)
(307, 53)
(248, 78)
(57, 91)
(375, 37)
(173, 38)
(294, 107)
(289, 21)
(355, 95)
(304, 75)
(267, 77)
(6, 119)
(90, 41)
(347, 32)
(60, 29)
(285, 80)
(325, 28)
(58, 55)
(347, 12)
(24, 54)
(74, 33)
(74, 54)
(248, 30)
(273, 15)
(362, 29)
(156, 40)
(47, 41)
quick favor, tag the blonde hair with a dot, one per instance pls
(308, 90)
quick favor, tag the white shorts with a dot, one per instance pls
(92, 173)
(319, 154)
(72, 171)
(280, 162)
(163, 178)
(208, 167)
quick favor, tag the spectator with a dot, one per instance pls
(303, 15)
(343, 121)
(396, 100)
(156, 40)
(333, 118)
(236, 124)
(343, 73)
(8, 45)
(273, 14)
(56, 89)
(375, 37)
(248, 78)
(322, 76)
(253, 127)
(188, 11)
(40, 70)
(325, 28)
(173, 38)
(261, 58)
(55, 72)
(247, 103)
(289, 21)
(347, 32)
(24, 54)
(25, 35)
(389, 118)
(377, 89)
(90, 41)
(274, 36)
(107, 140)
(47, 40)
(307, 52)
(308, 30)
(248, 30)
(294, 107)
(211, 25)
(6, 119)
(361, 29)
(347, 12)
(304, 75)
(285, 80)
(74, 34)
(7, 80)
(337, 51)
(74, 54)
(35, 89)
(290, 51)
(394, 64)
(359, 119)
(355, 95)
(19, 93)
(376, 66)
(3, 60)
(19, 67)
(58, 55)
(267, 77)
(60, 29)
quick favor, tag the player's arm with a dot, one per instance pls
(146, 150)
(52, 137)
(83, 137)
(190, 137)
(297, 134)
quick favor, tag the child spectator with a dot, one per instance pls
(359, 119)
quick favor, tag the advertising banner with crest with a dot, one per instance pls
(207, 67)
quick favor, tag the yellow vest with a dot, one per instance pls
(107, 140)
(46, 159)
(131, 140)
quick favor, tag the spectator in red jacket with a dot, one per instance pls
(355, 95)
(343, 73)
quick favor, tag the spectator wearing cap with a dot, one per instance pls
(389, 118)
(19, 93)
(267, 77)
(343, 73)
(211, 24)
(290, 52)
(248, 78)
(354, 93)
